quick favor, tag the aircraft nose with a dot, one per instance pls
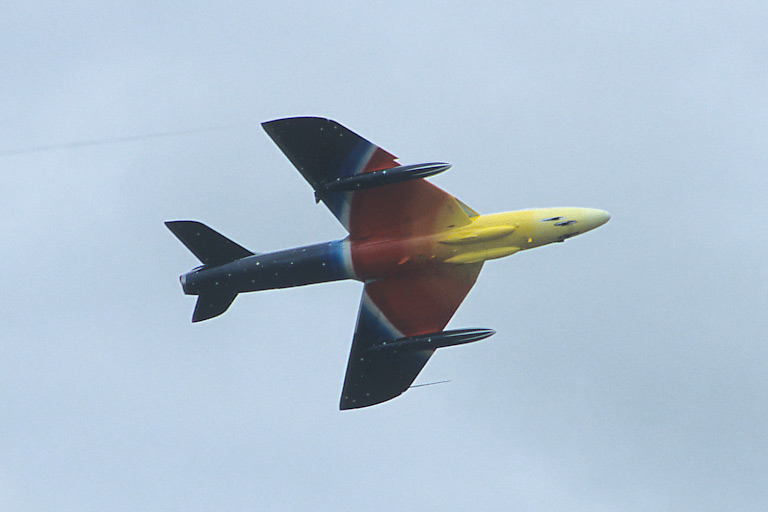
(596, 218)
(602, 217)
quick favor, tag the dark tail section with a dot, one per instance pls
(210, 247)
(210, 305)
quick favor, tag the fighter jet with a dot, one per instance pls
(417, 249)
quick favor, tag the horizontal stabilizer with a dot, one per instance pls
(210, 247)
(210, 305)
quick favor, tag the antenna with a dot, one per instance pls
(429, 384)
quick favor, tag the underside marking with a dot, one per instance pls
(344, 206)
(371, 306)
(346, 258)
(345, 198)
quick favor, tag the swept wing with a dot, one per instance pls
(394, 306)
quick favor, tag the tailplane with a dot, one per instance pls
(210, 305)
(210, 247)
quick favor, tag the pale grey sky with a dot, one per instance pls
(628, 371)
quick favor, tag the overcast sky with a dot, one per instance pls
(629, 368)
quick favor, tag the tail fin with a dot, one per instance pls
(210, 305)
(210, 247)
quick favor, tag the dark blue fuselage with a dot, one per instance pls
(311, 264)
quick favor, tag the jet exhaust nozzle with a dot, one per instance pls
(435, 340)
(382, 177)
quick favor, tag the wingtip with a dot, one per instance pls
(266, 124)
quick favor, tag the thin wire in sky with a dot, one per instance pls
(110, 140)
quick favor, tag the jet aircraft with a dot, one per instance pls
(417, 249)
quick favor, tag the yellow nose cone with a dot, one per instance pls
(595, 218)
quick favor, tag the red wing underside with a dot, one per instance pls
(393, 307)
(407, 209)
